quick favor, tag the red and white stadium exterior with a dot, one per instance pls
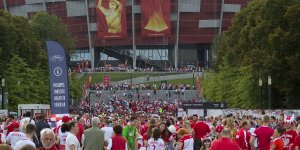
(199, 22)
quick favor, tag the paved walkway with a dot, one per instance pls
(143, 79)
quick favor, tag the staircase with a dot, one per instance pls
(107, 95)
(123, 55)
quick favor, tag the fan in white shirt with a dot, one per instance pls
(27, 118)
(108, 131)
(156, 143)
(62, 136)
(15, 136)
(2, 138)
(72, 142)
(30, 133)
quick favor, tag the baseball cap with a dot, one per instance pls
(66, 119)
(15, 124)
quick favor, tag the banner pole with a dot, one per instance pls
(133, 38)
(91, 50)
(177, 35)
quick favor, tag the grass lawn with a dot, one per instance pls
(178, 81)
(118, 76)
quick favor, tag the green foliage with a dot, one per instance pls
(50, 27)
(17, 38)
(75, 87)
(23, 56)
(24, 84)
(233, 85)
(188, 81)
(119, 76)
(263, 39)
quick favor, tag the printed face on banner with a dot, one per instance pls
(155, 17)
(111, 18)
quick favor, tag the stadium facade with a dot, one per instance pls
(184, 40)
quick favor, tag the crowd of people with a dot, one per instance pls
(122, 68)
(144, 131)
(142, 86)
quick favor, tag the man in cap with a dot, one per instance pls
(65, 120)
(8, 124)
(16, 135)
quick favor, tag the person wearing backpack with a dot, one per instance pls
(27, 118)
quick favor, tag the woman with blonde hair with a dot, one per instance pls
(187, 126)
(230, 124)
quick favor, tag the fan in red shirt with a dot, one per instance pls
(225, 142)
(263, 135)
(277, 142)
(10, 121)
(201, 129)
(243, 136)
(186, 141)
(143, 125)
(289, 136)
(117, 141)
(297, 142)
(80, 126)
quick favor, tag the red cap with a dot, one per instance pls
(219, 129)
(66, 119)
(15, 124)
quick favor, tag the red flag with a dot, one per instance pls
(86, 64)
(198, 86)
(90, 80)
(82, 64)
(78, 68)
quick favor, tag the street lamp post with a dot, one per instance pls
(3, 86)
(270, 91)
(260, 91)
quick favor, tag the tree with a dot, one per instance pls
(24, 84)
(262, 40)
(7, 39)
(50, 27)
(75, 87)
(17, 38)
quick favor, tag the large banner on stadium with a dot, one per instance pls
(155, 17)
(111, 18)
(59, 88)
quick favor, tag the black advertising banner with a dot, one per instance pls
(59, 88)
